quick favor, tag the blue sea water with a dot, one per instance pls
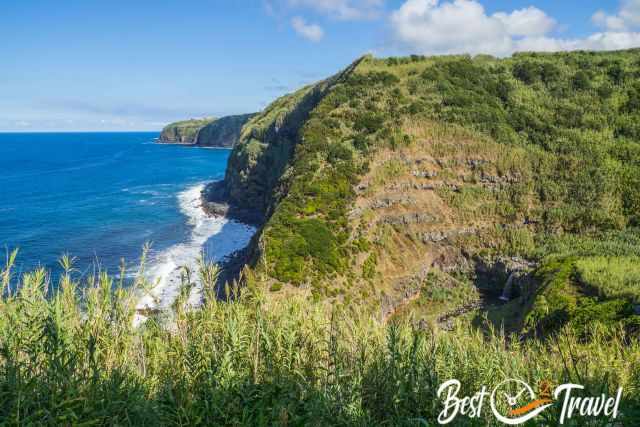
(100, 196)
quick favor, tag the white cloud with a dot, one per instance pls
(530, 21)
(614, 23)
(343, 9)
(608, 40)
(628, 17)
(463, 26)
(311, 32)
(429, 26)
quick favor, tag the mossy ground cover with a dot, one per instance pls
(611, 276)
(585, 292)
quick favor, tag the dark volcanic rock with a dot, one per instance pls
(215, 202)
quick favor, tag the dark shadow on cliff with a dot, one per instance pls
(506, 286)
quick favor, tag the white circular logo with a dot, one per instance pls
(514, 394)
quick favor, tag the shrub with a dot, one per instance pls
(528, 72)
(581, 81)
(369, 122)
(276, 287)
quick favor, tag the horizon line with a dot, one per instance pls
(79, 131)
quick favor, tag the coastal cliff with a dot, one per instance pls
(183, 132)
(223, 132)
(401, 179)
(253, 180)
(420, 219)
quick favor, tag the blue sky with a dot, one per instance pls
(136, 65)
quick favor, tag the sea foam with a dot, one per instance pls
(214, 237)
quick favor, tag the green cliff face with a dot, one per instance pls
(481, 203)
(410, 177)
(183, 132)
(266, 147)
(223, 132)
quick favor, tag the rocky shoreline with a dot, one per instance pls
(223, 239)
(214, 203)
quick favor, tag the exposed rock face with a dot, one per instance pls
(266, 146)
(183, 132)
(391, 201)
(408, 219)
(214, 202)
(405, 290)
(224, 132)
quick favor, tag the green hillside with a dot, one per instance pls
(463, 163)
(420, 219)
(223, 132)
(183, 132)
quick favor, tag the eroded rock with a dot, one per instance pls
(408, 219)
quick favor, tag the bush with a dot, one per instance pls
(617, 74)
(632, 104)
(528, 72)
(369, 122)
(581, 81)
(276, 287)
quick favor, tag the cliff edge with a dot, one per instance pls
(435, 181)
(183, 132)
(223, 132)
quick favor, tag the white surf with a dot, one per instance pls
(214, 237)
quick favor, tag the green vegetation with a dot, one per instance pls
(581, 146)
(392, 187)
(544, 153)
(611, 276)
(223, 132)
(584, 293)
(184, 132)
(559, 128)
(71, 361)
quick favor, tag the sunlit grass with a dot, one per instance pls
(71, 356)
(612, 276)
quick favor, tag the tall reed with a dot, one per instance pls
(71, 356)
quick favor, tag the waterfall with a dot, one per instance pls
(508, 287)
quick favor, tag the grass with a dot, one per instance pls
(72, 360)
(536, 140)
(390, 170)
(554, 137)
(185, 130)
(612, 276)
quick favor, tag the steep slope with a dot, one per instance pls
(426, 182)
(223, 132)
(253, 181)
(183, 132)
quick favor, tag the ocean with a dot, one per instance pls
(100, 197)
